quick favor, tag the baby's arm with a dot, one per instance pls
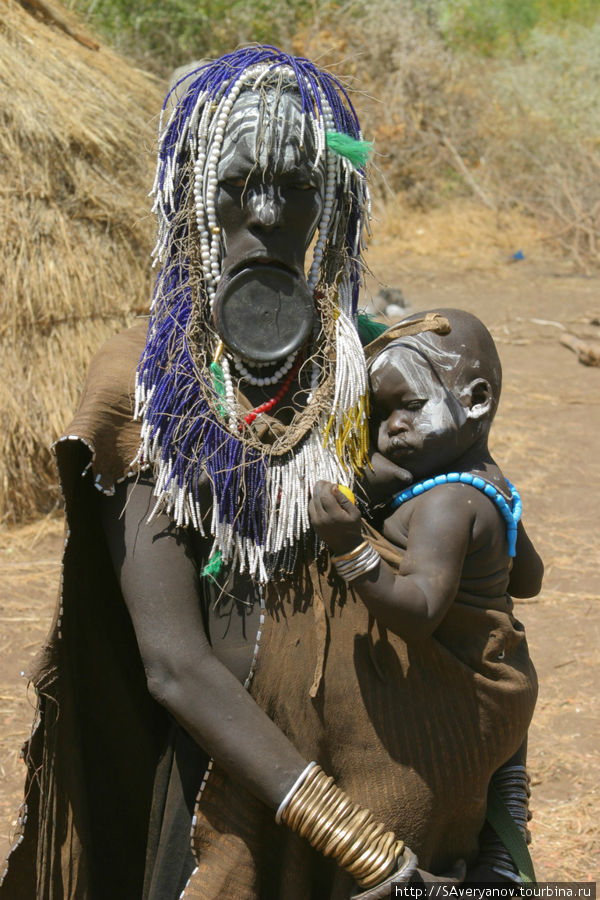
(412, 603)
(528, 568)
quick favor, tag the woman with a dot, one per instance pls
(196, 622)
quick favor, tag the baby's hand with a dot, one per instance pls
(335, 518)
(384, 480)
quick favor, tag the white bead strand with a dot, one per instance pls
(266, 379)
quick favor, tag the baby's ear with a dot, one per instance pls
(478, 398)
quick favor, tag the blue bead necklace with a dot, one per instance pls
(511, 514)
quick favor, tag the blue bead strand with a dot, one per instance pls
(511, 514)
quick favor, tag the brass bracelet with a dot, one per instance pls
(336, 826)
(351, 554)
(363, 562)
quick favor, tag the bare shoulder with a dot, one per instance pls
(451, 496)
(446, 507)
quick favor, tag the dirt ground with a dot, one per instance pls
(546, 440)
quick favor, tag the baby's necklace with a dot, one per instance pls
(511, 514)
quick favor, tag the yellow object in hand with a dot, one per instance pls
(346, 492)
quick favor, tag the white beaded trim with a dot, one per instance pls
(289, 483)
(265, 380)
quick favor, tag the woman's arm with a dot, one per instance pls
(160, 585)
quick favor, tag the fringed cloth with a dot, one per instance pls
(98, 737)
(414, 733)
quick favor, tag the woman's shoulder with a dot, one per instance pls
(113, 367)
(104, 420)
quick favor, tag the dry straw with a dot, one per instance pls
(76, 155)
(518, 136)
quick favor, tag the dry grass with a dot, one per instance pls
(519, 136)
(414, 94)
(29, 578)
(476, 163)
(564, 758)
(466, 234)
(75, 151)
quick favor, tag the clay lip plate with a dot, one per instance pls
(264, 311)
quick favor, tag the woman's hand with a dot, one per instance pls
(335, 518)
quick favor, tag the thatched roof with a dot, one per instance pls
(76, 155)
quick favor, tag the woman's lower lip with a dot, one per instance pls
(260, 261)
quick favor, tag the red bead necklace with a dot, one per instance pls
(268, 405)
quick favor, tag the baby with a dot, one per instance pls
(433, 401)
(464, 550)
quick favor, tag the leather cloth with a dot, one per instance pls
(413, 732)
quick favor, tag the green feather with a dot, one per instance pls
(368, 328)
(356, 151)
(213, 566)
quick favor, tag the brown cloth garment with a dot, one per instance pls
(413, 732)
(98, 741)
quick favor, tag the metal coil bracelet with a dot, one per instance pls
(322, 813)
(357, 562)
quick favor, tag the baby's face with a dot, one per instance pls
(419, 423)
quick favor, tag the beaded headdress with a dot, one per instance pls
(194, 424)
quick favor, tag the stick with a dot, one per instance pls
(587, 353)
(466, 174)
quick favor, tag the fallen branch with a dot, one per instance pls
(548, 322)
(587, 353)
(475, 187)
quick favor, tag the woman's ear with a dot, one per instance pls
(478, 398)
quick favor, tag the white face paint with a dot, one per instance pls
(270, 195)
(421, 425)
(265, 134)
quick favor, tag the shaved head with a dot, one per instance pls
(467, 353)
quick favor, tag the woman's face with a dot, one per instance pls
(270, 197)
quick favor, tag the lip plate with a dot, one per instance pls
(263, 311)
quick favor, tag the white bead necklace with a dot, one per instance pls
(277, 375)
